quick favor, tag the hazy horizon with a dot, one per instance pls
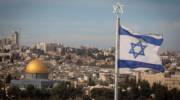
(89, 23)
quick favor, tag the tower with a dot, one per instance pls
(15, 39)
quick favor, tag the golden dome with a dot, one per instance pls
(36, 66)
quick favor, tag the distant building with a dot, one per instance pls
(41, 46)
(36, 74)
(49, 47)
(14, 36)
(172, 81)
(10, 42)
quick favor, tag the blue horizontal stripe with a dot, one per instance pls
(137, 64)
(146, 38)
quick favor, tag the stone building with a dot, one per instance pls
(36, 74)
(10, 42)
(172, 81)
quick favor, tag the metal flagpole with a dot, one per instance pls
(116, 62)
(117, 10)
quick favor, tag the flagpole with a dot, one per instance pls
(116, 59)
(117, 10)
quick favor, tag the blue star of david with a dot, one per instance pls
(135, 52)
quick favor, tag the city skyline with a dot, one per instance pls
(90, 23)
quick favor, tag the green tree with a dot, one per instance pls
(75, 92)
(2, 91)
(161, 92)
(174, 94)
(13, 92)
(144, 90)
(8, 78)
(91, 82)
(62, 91)
(102, 94)
(30, 91)
(85, 97)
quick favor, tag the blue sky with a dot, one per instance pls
(88, 22)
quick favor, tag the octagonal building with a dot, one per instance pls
(36, 70)
(36, 74)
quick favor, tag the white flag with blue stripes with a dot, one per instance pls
(139, 51)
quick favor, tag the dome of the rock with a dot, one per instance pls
(36, 66)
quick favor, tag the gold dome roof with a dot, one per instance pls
(36, 66)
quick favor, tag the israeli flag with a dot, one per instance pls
(139, 51)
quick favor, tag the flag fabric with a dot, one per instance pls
(139, 51)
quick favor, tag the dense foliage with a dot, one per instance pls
(129, 90)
